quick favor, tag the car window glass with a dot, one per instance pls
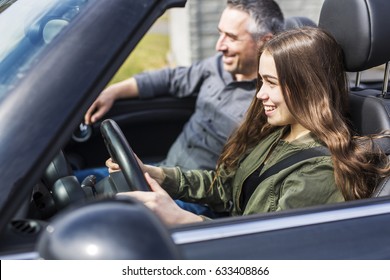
(27, 27)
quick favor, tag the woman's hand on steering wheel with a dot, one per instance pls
(159, 201)
(155, 172)
(112, 166)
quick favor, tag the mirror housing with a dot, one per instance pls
(109, 229)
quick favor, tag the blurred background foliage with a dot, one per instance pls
(150, 53)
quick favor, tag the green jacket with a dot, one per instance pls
(306, 183)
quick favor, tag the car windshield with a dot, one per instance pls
(27, 27)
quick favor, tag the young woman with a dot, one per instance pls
(300, 103)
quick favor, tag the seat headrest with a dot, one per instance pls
(297, 22)
(362, 28)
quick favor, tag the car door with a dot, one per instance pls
(150, 126)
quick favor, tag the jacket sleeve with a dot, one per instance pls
(178, 82)
(313, 184)
(195, 186)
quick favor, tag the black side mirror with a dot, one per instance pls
(108, 229)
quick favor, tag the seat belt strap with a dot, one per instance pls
(294, 158)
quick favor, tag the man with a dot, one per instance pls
(224, 84)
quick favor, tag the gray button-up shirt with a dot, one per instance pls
(220, 107)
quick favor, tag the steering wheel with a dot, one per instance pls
(121, 152)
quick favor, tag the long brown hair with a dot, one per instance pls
(309, 63)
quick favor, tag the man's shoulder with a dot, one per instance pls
(215, 61)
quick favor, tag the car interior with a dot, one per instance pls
(347, 22)
(297, 22)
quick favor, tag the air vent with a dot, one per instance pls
(25, 227)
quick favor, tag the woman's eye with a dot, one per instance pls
(272, 83)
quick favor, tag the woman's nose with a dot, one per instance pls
(261, 94)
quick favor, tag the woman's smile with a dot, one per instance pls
(269, 109)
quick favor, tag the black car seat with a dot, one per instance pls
(361, 28)
(297, 22)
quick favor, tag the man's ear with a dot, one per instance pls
(266, 37)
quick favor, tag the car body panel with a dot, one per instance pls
(328, 232)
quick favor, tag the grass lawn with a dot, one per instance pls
(150, 53)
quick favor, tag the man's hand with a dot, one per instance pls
(101, 105)
(124, 89)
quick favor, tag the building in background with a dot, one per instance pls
(193, 30)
